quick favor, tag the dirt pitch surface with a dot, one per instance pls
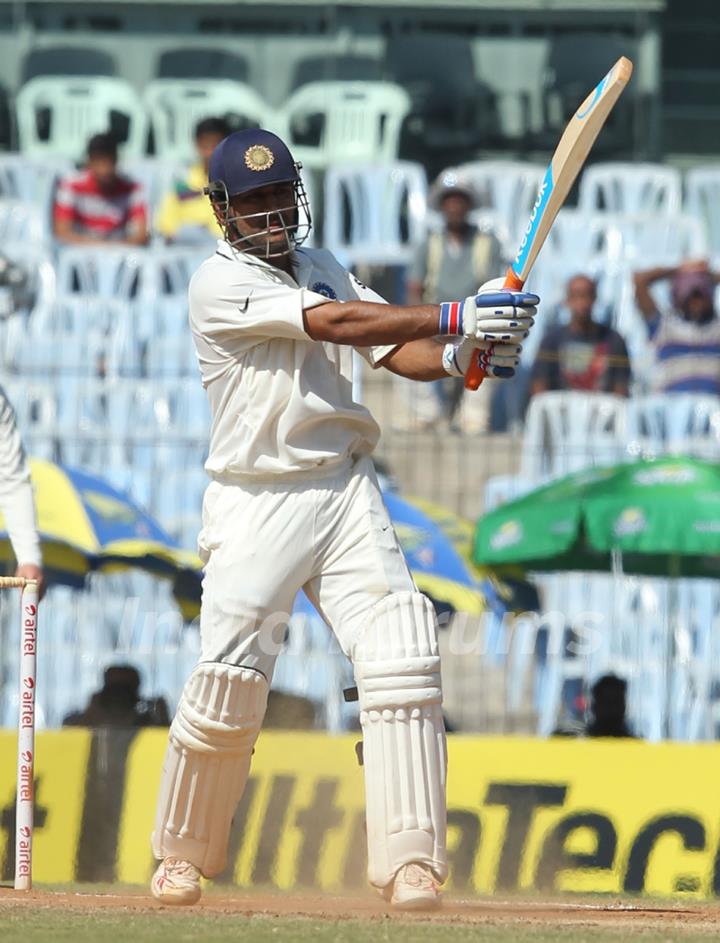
(566, 912)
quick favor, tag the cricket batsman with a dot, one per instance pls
(293, 503)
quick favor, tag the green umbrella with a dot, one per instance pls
(661, 517)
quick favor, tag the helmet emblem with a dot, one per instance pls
(259, 157)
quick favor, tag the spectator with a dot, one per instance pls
(687, 338)
(118, 704)
(186, 214)
(98, 204)
(453, 263)
(583, 354)
(16, 498)
(607, 708)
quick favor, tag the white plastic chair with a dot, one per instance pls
(509, 188)
(83, 429)
(659, 238)
(576, 607)
(172, 357)
(581, 239)
(78, 108)
(125, 273)
(22, 222)
(569, 431)
(375, 213)
(31, 179)
(630, 188)
(178, 504)
(36, 410)
(176, 106)
(358, 121)
(674, 424)
(155, 175)
(702, 200)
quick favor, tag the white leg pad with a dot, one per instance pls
(207, 763)
(397, 670)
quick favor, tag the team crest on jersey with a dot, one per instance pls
(259, 157)
(322, 288)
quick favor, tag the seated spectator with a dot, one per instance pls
(687, 338)
(608, 704)
(185, 213)
(118, 704)
(583, 354)
(97, 204)
(453, 263)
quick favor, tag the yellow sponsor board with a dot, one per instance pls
(61, 759)
(550, 815)
(574, 815)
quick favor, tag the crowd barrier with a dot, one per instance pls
(540, 816)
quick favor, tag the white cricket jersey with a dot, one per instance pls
(281, 403)
(16, 496)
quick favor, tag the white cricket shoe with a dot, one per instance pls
(414, 888)
(176, 882)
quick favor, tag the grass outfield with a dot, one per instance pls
(20, 926)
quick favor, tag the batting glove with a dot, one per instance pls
(494, 314)
(495, 360)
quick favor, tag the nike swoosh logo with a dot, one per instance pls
(243, 308)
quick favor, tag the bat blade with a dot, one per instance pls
(570, 154)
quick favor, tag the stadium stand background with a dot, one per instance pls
(464, 105)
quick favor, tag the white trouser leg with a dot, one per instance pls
(207, 763)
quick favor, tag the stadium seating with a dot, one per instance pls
(676, 424)
(329, 68)
(328, 123)
(375, 213)
(702, 200)
(176, 106)
(198, 62)
(155, 176)
(451, 111)
(573, 63)
(565, 432)
(57, 115)
(630, 188)
(43, 61)
(31, 180)
(508, 188)
(103, 375)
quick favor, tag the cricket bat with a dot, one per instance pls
(574, 146)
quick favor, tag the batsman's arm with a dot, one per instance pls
(490, 316)
(369, 324)
(417, 360)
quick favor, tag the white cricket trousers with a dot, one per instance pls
(262, 543)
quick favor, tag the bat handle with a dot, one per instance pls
(475, 375)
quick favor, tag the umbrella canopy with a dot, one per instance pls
(85, 525)
(437, 567)
(663, 516)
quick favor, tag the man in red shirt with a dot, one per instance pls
(98, 204)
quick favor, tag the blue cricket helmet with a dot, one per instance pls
(252, 158)
(247, 160)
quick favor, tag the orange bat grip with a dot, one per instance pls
(475, 375)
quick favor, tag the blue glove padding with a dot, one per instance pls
(490, 316)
